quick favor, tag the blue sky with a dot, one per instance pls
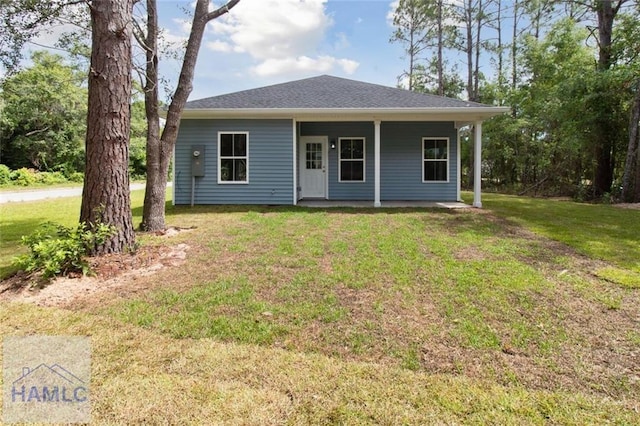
(264, 42)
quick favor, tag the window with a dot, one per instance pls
(351, 160)
(233, 157)
(314, 156)
(435, 159)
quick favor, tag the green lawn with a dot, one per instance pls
(597, 230)
(366, 316)
(18, 219)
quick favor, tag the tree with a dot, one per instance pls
(421, 26)
(631, 177)
(22, 20)
(606, 12)
(445, 81)
(413, 30)
(43, 121)
(160, 147)
(626, 50)
(105, 197)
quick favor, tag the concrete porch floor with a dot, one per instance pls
(385, 204)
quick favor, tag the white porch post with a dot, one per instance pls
(477, 166)
(458, 164)
(295, 163)
(376, 177)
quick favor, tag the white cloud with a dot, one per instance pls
(219, 46)
(282, 36)
(303, 65)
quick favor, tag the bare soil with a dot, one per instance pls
(635, 206)
(113, 273)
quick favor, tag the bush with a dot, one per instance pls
(26, 177)
(50, 177)
(23, 177)
(75, 177)
(5, 174)
(57, 250)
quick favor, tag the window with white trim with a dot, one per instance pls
(233, 157)
(351, 159)
(435, 159)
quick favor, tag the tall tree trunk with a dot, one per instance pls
(636, 191)
(514, 49)
(468, 14)
(153, 212)
(604, 155)
(440, 65)
(105, 197)
(631, 177)
(412, 58)
(154, 196)
(477, 47)
(500, 48)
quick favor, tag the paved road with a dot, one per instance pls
(19, 196)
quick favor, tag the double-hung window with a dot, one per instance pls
(233, 157)
(435, 159)
(351, 159)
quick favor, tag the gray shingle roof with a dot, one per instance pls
(327, 92)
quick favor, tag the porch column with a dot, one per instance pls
(376, 174)
(295, 162)
(477, 165)
(458, 163)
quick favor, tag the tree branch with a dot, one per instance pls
(221, 11)
(35, 132)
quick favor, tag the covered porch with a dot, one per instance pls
(386, 141)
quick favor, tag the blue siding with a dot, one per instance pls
(270, 167)
(401, 161)
(334, 130)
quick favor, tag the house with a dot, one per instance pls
(324, 138)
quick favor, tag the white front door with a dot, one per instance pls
(313, 166)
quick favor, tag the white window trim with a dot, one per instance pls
(364, 159)
(231, 182)
(434, 160)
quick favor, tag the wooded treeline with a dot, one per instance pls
(113, 27)
(43, 119)
(570, 70)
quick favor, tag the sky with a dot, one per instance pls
(264, 42)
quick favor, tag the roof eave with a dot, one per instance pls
(350, 114)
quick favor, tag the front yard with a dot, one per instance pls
(525, 312)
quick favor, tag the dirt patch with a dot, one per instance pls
(635, 206)
(113, 273)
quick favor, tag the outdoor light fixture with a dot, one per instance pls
(333, 144)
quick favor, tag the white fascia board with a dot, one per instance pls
(465, 114)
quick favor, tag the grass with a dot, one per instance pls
(144, 377)
(18, 219)
(365, 316)
(599, 231)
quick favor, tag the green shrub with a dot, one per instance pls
(57, 250)
(23, 177)
(5, 174)
(138, 158)
(75, 177)
(50, 177)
